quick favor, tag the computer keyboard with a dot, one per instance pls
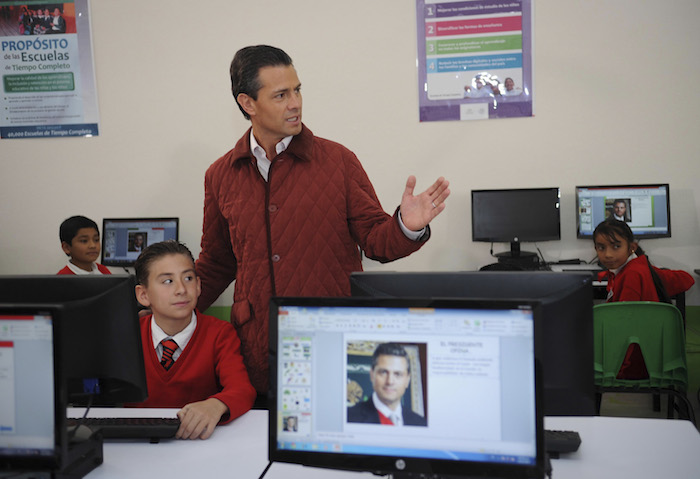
(559, 442)
(152, 428)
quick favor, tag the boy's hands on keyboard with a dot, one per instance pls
(198, 419)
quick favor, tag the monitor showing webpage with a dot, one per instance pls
(645, 208)
(27, 387)
(451, 382)
(123, 239)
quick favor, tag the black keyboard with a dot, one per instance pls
(559, 442)
(152, 428)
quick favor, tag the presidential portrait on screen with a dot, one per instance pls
(619, 210)
(137, 241)
(386, 387)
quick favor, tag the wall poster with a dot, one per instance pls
(48, 79)
(475, 59)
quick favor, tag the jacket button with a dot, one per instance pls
(272, 208)
(275, 258)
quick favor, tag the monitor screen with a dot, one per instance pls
(405, 386)
(123, 239)
(565, 345)
(101, 357)
(515, 216)
(32, 431)
(645, 208)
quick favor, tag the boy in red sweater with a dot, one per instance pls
(192, 361)
(80, 241)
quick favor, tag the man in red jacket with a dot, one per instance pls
(287, 213)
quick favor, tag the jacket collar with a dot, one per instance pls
(300, 147)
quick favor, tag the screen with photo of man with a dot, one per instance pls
(436, 383)
(645, 208)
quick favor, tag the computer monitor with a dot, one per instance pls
(463, 371)
(101, 357)
(515, 216)
(645, 208)
(32, 399)
(123, 239)
(565, 341)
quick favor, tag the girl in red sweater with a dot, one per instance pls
(629, 274)
(631, 277)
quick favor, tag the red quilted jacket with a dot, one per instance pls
(295, 235)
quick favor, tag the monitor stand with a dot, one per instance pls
(518, 260)
(82, 456)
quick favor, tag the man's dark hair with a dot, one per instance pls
(157, 251)
(69, 228)
(390, 349)
(245, 68)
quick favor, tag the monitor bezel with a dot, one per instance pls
(637, 236)
(393, 464)
(76, 294)
(51, 461)
(130, 263)
(519, 238)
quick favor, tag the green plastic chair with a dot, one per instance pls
(658, 330)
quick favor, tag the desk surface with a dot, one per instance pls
(611, 447)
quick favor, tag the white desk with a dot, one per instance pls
(610, 448)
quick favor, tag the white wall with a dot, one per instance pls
(616, 101)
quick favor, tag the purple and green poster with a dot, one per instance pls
(474, 59)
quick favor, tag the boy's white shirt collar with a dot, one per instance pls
(77, 270)
(181, 338)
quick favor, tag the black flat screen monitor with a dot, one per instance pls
(123, 239)
(460, 377)
(565, 347)
(645, 208)
(515, 216)
(32, 399)
(101, 357)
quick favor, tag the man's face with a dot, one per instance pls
(620, 209)
(390, 379)
(276, 113)
(509, 84)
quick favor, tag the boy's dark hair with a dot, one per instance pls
(157, 251)
(69, 228)
(245, 68)
(390, 349)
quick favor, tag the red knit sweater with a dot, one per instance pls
(210, 366)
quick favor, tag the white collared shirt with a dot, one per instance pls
(261, 157)
(264, 167)
(395, 416)
(77, 270)
(181, 338)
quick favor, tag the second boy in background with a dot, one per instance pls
(192, 360)
(80, 241)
